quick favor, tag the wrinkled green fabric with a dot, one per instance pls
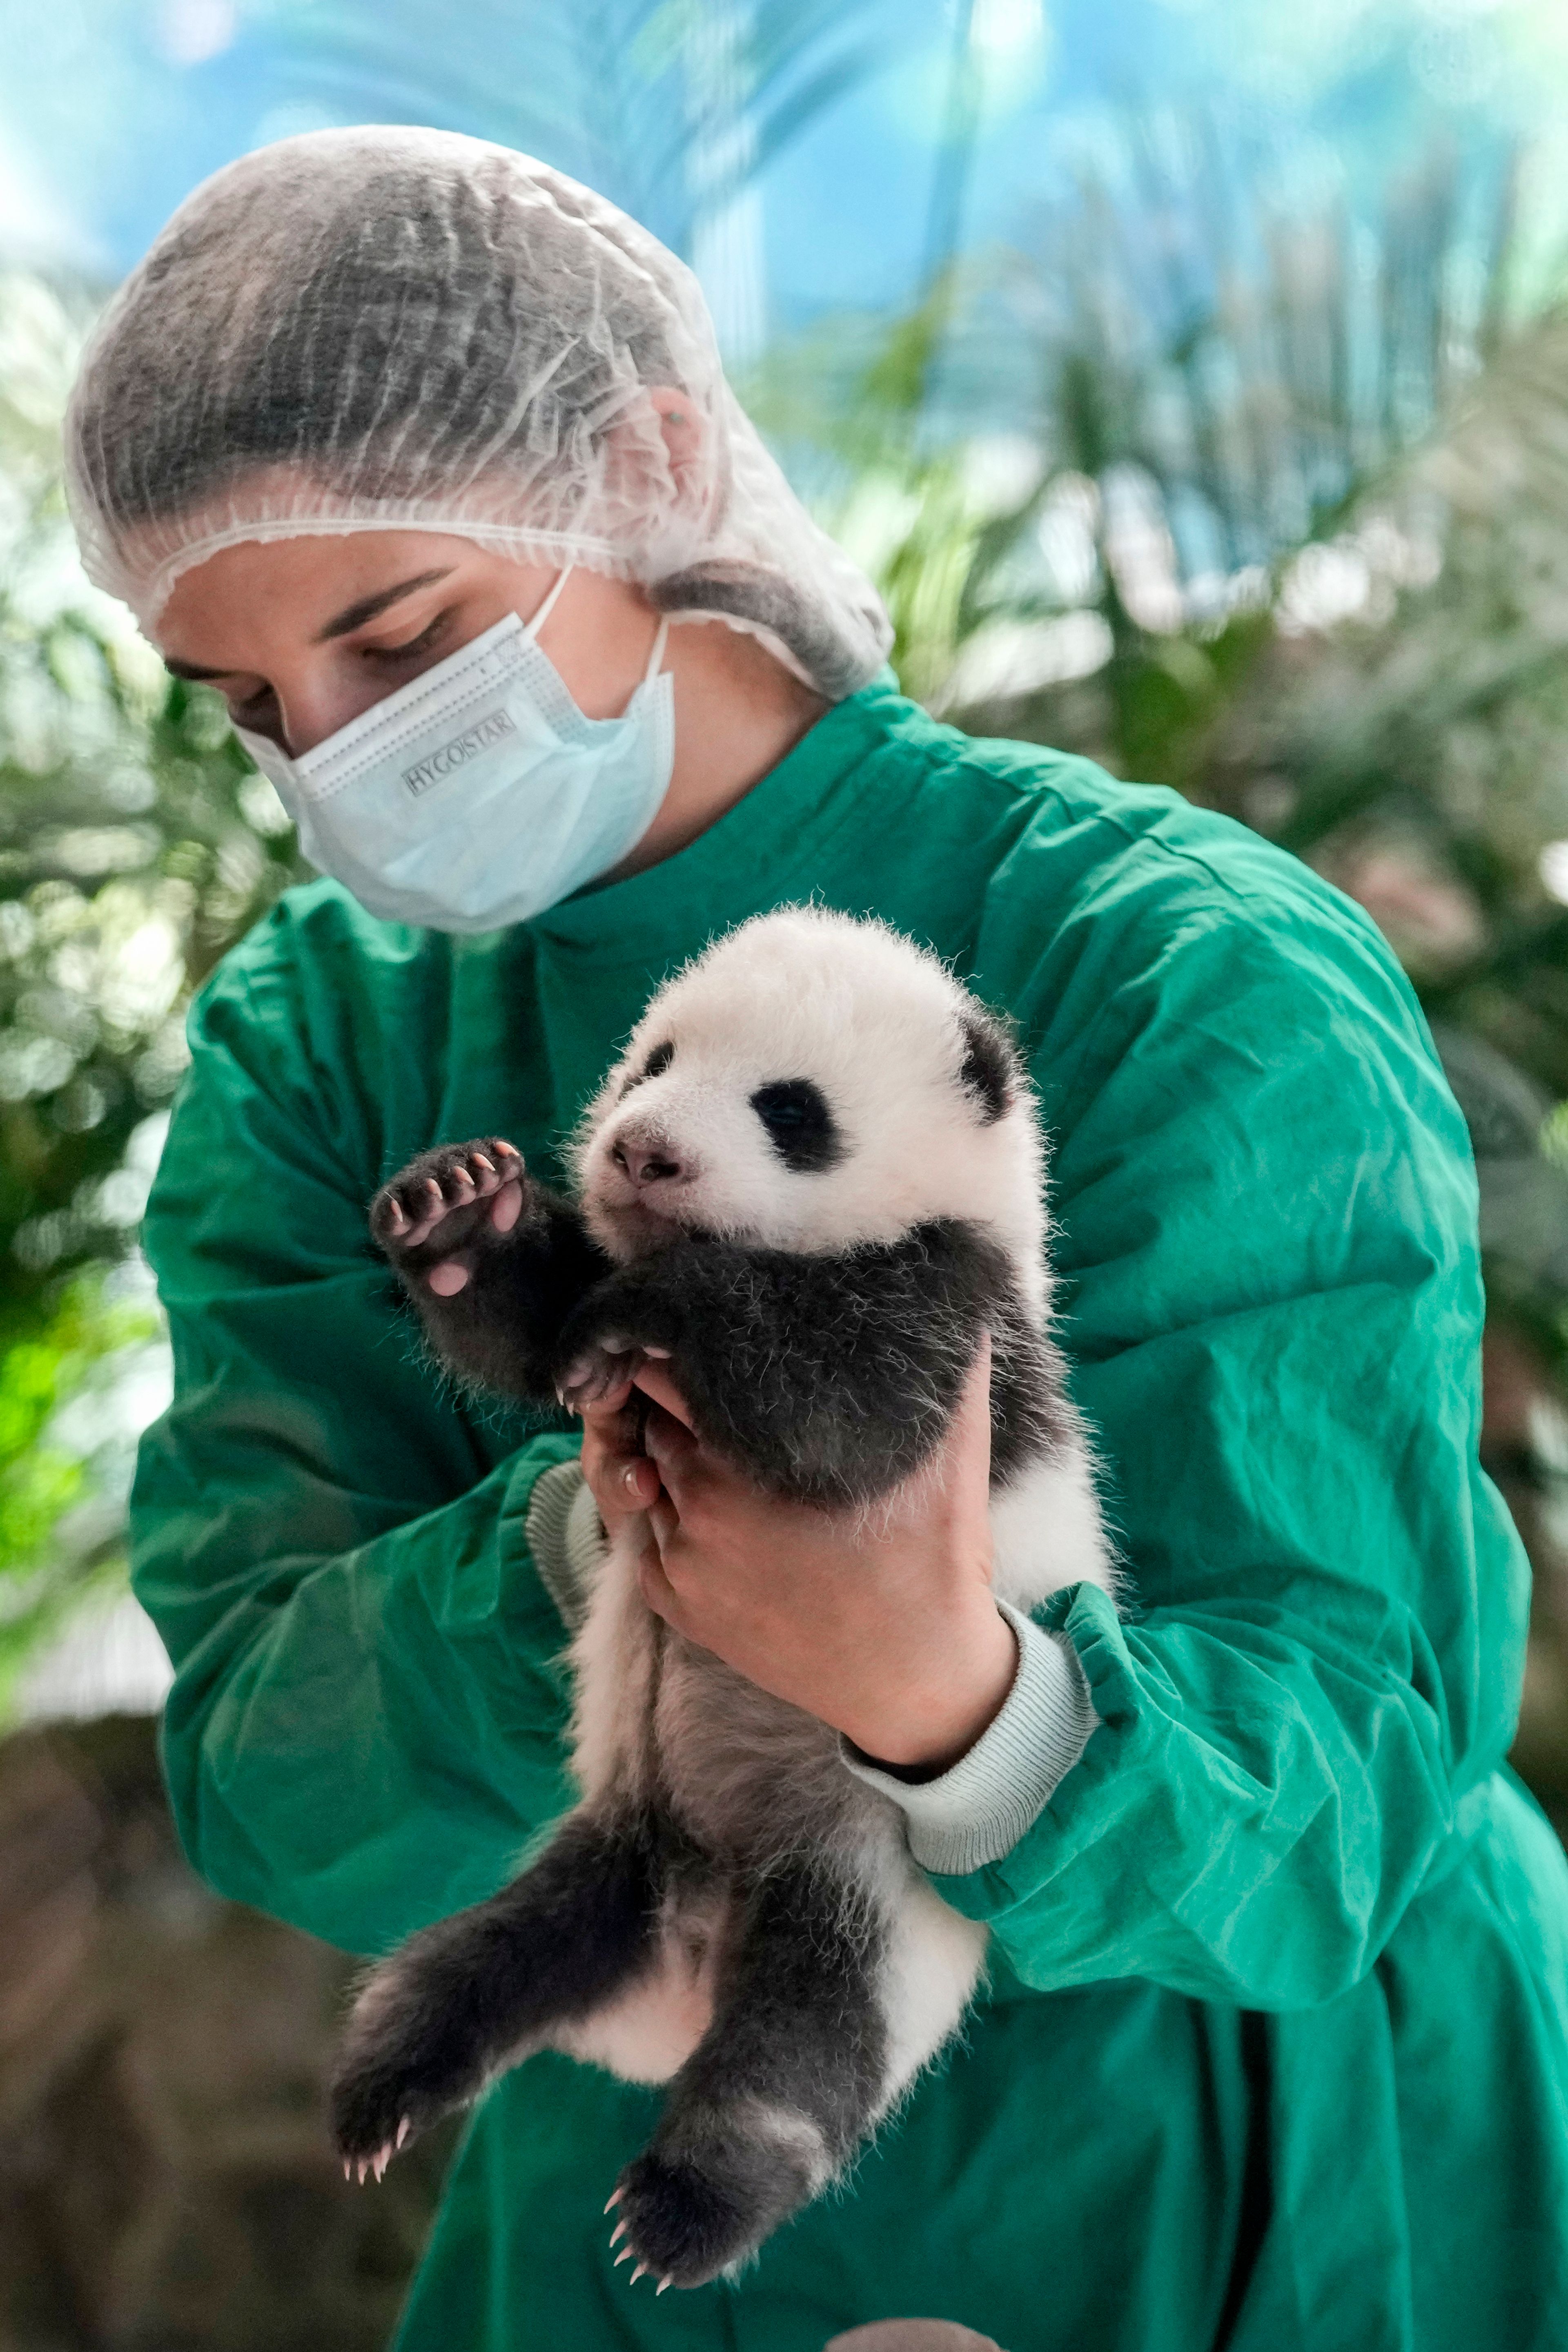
(1274, 2051)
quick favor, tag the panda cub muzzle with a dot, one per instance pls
(813, 1183)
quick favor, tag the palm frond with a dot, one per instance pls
(1274, 510)
(667, 106)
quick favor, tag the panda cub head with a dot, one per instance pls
(813, 1082)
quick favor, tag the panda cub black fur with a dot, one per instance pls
(813, 1182)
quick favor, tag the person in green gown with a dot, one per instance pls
(1273, 2050)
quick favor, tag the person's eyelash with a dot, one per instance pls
(426, 638)
(422, 644)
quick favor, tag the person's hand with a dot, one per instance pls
(882, 1624)
(624, 1482)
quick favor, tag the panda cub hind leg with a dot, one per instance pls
(474, 1994)
(782, 2088)
(846, 1981)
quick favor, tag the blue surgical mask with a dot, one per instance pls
(479, 794)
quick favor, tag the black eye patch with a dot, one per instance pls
(799, 1125)
(658, 1060)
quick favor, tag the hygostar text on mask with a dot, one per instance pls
(486, 747)
(457, 752)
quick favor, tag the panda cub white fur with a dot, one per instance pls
(813, 1180)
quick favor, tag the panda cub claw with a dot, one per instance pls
(405, 2066)
(683, 2225)
(602, 1373)
(447, 1201)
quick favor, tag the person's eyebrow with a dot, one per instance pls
(352, 616)
(369, 608)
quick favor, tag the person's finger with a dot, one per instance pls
(614, 1426)
(973, 1418)
(622, 1478)
(955, 1484)
(607, 1426)
(685, 1474)
(663, 1520)
(968, 1445)
(656, 1589)
(655, 1381)
(668, 1440)
(620, 1487)
(639, 1483)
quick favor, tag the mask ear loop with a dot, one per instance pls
(655, 658)
(533, 628)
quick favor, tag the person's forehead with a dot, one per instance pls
(317, 587)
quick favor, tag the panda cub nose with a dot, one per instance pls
(646, 1160)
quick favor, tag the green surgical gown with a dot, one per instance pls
(1273, 2052)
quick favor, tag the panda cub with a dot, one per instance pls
(814, 1182)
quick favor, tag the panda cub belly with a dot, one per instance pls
(749, 1780)
(747, 1776)
(811, 1188)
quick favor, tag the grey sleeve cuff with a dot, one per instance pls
(979, 1809)
(566, 1537)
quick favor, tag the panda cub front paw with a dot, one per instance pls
(445, 1206)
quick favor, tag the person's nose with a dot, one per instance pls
(316, 704)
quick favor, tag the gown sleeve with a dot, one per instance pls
(1271, 1298)
(367, 1720)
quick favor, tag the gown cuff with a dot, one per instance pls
(979, 1809)
(566, 1537)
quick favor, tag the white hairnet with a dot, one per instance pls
(384, 329)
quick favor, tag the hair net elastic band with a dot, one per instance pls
(555, 549)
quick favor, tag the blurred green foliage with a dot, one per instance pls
(51, 1565)
(1280, 520)
(136, 843)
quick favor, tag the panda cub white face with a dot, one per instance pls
(809, 1083)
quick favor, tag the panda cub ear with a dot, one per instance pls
(658, 1061)
(989, 1070)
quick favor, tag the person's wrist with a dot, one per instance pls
(924, 1733)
